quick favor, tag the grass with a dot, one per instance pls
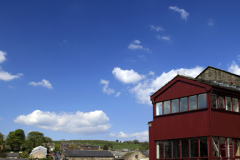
(116, 145)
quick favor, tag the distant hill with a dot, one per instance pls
(101, 143)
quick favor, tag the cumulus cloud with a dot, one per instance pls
(210, 22)
(143, 89)
(141, 136)
(156, 28)
(134, 45)
(95, 122)
(127, 76)
(2, 56)
(118, 94)
(166, 38)
(105, 88)
(151, 73)
(234, 68)
(45, 83)
(183, 13)
(5, 76)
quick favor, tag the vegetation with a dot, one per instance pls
(25, 154)
(3, 154)
(113, 144)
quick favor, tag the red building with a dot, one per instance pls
(196, 118)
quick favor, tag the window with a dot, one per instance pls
(194, 147)
(166, 107)
(237, 148)
(222, 147)
(228, 103)
(159, 108)
(167, 149)
(203, 146)
(175, 105)
(192, 102)
(235, 104)
(183, 104)
(221, 102)
(230, 147)
(184, 147)
(176, 148)
(202, 101)
(159, 149)
(215, 146)
(213, 101)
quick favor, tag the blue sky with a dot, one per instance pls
(85, 69)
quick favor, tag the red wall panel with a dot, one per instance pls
(181, 125)
(180, 89)
(225, 124)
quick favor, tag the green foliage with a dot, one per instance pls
(48, 139)
(34, 139)
(1, 138)
(20, 137)
(144, 146)
(116, 140)
(73, 146)
(11, 140)
(24, 154)
(57, 148)
(3, 154)
(105, 147)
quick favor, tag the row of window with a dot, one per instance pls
(228, 103)
(192, 148)
(182, 104)
(183, 148)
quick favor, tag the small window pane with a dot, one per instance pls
(228, 103)
(176, 148)
(221, 102)
(222, 147)
(235, 104)
(202, 101)
(229, 147)
(215, 146)
(175, 105)
(166, 107)
(213, 100)
(194, 147)
(159, 108)
(158, 149)
(183, 104)
(192, 102)
(167, 149)
(203, 146)
(184, 146)
(237, 148)
(161, 149)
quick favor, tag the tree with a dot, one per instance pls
(34, 139)
(105, 147)
(116, 140)
(3, 154)
(1, 138)
(20, 137)
(11, 140)
(24, 154)
(48, 139)
(73, 146)
(57, 148)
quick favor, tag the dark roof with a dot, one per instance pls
(82, 153)
(145, 152)
(13, 158)
(12, 154)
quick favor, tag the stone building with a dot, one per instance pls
(135, 155)
(39, 152)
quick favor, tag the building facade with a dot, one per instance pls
(196, 118)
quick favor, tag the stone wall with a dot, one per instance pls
(137, 155)
(38, 155)
(220, 76)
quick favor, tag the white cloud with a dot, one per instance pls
(105, 87)
(7, 76)
(143, 89)
(44, 83)
(156, 28)
(166, 38)
(95, 122)
(183, 13)
(210, 22)
(2, 56)
(151, 73)
(136, 45)
(127, 76)
(234, 68)
(118, 94)
(141, 136)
